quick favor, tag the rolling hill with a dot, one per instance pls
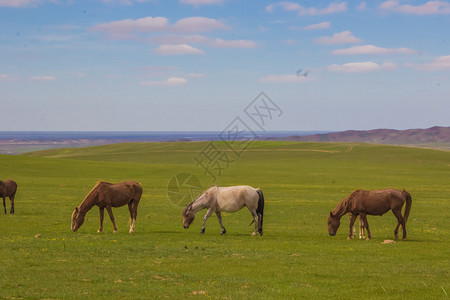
(434, 137)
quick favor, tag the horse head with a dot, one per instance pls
(188, 216)
(333, 224)
(77, 219)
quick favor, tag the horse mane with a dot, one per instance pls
(342, 207)
(93, 191)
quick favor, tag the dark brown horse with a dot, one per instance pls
(108, 195)
(8, 188)
(377, 203)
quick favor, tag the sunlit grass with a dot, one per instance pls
(302, 182)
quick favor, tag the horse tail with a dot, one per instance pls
(408, 204)
(260, 209)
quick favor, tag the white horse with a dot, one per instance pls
(361, 227)
(227, 199)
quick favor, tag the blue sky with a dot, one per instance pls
(196, 64)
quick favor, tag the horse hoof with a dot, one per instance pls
(115, 231)
(202, 231)
(254, 233)
(99, 231)
(223, 232)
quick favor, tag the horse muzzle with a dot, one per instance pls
(332, 233)
(186, 227)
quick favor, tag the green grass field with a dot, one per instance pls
(296, 258)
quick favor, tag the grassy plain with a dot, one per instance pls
(41, 258)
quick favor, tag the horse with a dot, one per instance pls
(362, 203)
(8, 188)
(108, 195)
(227, 199)
(361, 227)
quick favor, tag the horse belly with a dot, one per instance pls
(228, 206)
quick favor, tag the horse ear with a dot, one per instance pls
(331, 213)
(76, 209)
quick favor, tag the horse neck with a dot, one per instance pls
(341, 208)
(88, 202)
(201, 202)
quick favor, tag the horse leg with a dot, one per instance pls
(4, 205)
(352, 219)
(101, 211)
(11, 199)
(361, 229)
(366, 224)
(208, 214)
(256, 220)
(219, 217)
(111, 216)
(401, 220)
(132, 216)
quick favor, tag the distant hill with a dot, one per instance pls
(431, 136)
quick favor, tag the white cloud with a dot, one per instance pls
(371, 49)
(197, 24)
(6, 77)
(201, 2)
(284, 5)
(124, 29)
(284, 78)
(362, 6)
(19, 3)
(361, 67)
(43, 78)
(441, 63)
(322, 25)
(124, 2)
(177, 50)
(308, 11)
(429, 8)
(345, 37)
(219, 43)
(171, 81)
(179, 39)
(330, 9)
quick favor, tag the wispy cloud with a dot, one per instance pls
(307, 11)
(429, 8)
(43, 78)
(219, 43)
(284, 78)
(345, 37)
(322, 25)
(197, 24)
(371, 49)
(362, 6)
(201, 2)
(361, 67)
(19, 3)
(441, 63)
(180, 49)
(127, 27)
(171, 81)
(6, 77)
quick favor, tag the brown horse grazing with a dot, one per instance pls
(8, 188)
(108, 195)
(365, 203)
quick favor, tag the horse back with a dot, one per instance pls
(119, 194)
(376, 202)
(9, 188)
(233, 198)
